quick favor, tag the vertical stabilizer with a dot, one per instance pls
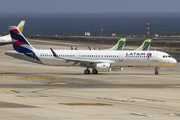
(21, 26)
(119, 45)
(145, 46)
(19, 42)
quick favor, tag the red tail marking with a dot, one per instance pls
(18, 43)
(89, 47)
(15, 31)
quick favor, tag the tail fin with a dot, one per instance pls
(21, 26)
(89, 47)
(20, 43)
(145, 46)
(119, 45)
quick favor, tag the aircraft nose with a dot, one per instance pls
(173, 61)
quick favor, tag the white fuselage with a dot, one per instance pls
(115, 58)
(5, 39)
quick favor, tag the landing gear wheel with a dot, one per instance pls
(94, 71)
(86, 71)
(157, 69)
(156, 73)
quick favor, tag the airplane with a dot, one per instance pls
(7, 38)
(97, 60)
(119, 46)
(145, 46)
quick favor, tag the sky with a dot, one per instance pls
(89, 6)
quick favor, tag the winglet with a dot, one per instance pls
(54, 54)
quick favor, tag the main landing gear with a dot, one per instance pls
(94, 71)
(87, 71)
(157, 69)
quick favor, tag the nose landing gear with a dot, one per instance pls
(157, 69)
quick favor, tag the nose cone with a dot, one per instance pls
(174, 61)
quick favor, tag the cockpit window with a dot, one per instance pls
(167, 56)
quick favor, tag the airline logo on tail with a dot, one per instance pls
(145, 46)
(20, 44)
(119, 45)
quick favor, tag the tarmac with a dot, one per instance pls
(38, 92)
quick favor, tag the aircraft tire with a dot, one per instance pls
(156, 73)
(94, 71)
(86, 72)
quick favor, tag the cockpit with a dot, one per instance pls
(167, 56)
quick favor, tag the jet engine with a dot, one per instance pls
(103, 67)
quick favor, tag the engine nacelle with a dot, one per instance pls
(117, 68)
(103, 67)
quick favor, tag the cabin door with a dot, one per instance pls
(155, 57)
(79, 56)
(121, 57)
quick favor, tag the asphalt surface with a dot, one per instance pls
(32, 91)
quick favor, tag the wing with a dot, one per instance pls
(82, 62)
